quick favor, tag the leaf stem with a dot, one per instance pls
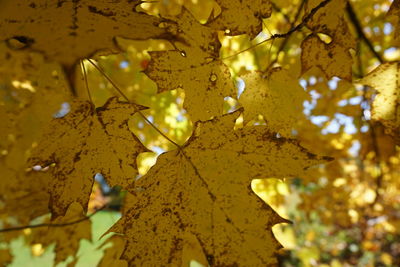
(86, 81)
(127, 99)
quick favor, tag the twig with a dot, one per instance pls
(127, 99)
(286, 40)
(86, 81)
(18, 228)
(286, 34)
(357, 25)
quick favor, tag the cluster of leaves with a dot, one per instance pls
(196, 202)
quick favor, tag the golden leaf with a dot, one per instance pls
(330, 20)
(386, 105)
(25, 195)
(67, 31)
(203, 192)
(332, 57)
(5, 256)
(85, 142)
(113, 253)
(241, 17)
(193, 66)
(275, 95)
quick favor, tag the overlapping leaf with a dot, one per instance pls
(113, 253)
(333, 58)
(275, 95)
(25, 195)
(385, 79)
(5, 256)
(67, 31)
(200, 197)
(241, 17)
(85, 142)
(33, 90)
(394, 12)
(193, 66)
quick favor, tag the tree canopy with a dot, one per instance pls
(214, 123)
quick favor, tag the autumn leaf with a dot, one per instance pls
(67, 31)
(5, 256)
(85, 142)
(241, 17)
(193, 66)
(276, 95)
(113, 253)
(386, 105)
(394, 12)
(332, 56)
(332, 59)
(201, 196)
(32, 94)
(25, 195)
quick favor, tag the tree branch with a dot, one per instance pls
(286, 40)
(127, 99)
(357, 25)
(18, 228)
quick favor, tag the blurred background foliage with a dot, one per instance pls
(346, 213)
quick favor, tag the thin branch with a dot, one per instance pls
(137, 110)
(298, 27)
(19, 228)
(286, 40)
(86, 81)
(357, 25)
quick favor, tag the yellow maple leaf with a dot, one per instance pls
(276, 95)
(200, 197)
(333, 58)
(67, 31)
(113, 253)
(85, 142)
(241, 17)
(386, 105)
(193, 66)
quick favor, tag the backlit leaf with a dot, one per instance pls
(193, 66)
(202, 195)
(113, 253)
(386, 105)
(239, 17)
(331, 56)
(85, 142)
(332, 59)
(275, 95)
(67, 31)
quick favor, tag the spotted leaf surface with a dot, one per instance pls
(199, 198)
(67, 31)
(85, 142)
